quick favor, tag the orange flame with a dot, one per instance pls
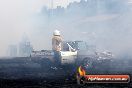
(81, 71)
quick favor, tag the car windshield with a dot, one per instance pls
(82, 46)
(78, 45)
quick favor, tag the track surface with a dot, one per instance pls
(23, 73)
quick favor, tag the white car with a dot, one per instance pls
(73, 53)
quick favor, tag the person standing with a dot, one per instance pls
(56, 46)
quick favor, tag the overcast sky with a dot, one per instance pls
(14, 18)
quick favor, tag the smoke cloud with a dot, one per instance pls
(104, 23)
(16, 18)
